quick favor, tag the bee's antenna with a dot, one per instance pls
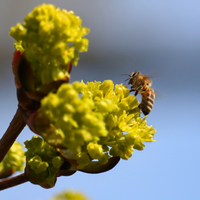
(126, 74)
(127, 78)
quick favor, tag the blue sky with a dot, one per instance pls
(158, 38)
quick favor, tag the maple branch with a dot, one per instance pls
(17, 180)
(16, 126)
(13, 181)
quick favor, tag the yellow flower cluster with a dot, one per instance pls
(14, 160)
(103, 122)
(43, 162)
(50, 38)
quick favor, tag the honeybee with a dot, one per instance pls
(142, 84)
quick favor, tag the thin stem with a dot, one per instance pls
(16, 126)
(13, 181)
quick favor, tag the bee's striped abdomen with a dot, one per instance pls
(148, 97)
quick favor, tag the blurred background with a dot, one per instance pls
(159, 38)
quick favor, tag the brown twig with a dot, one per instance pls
(17, 180)
(16, 126)
(13, 181)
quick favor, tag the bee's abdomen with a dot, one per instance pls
(147, 101)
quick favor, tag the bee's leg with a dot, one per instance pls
(132, 89)
(138, 90)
